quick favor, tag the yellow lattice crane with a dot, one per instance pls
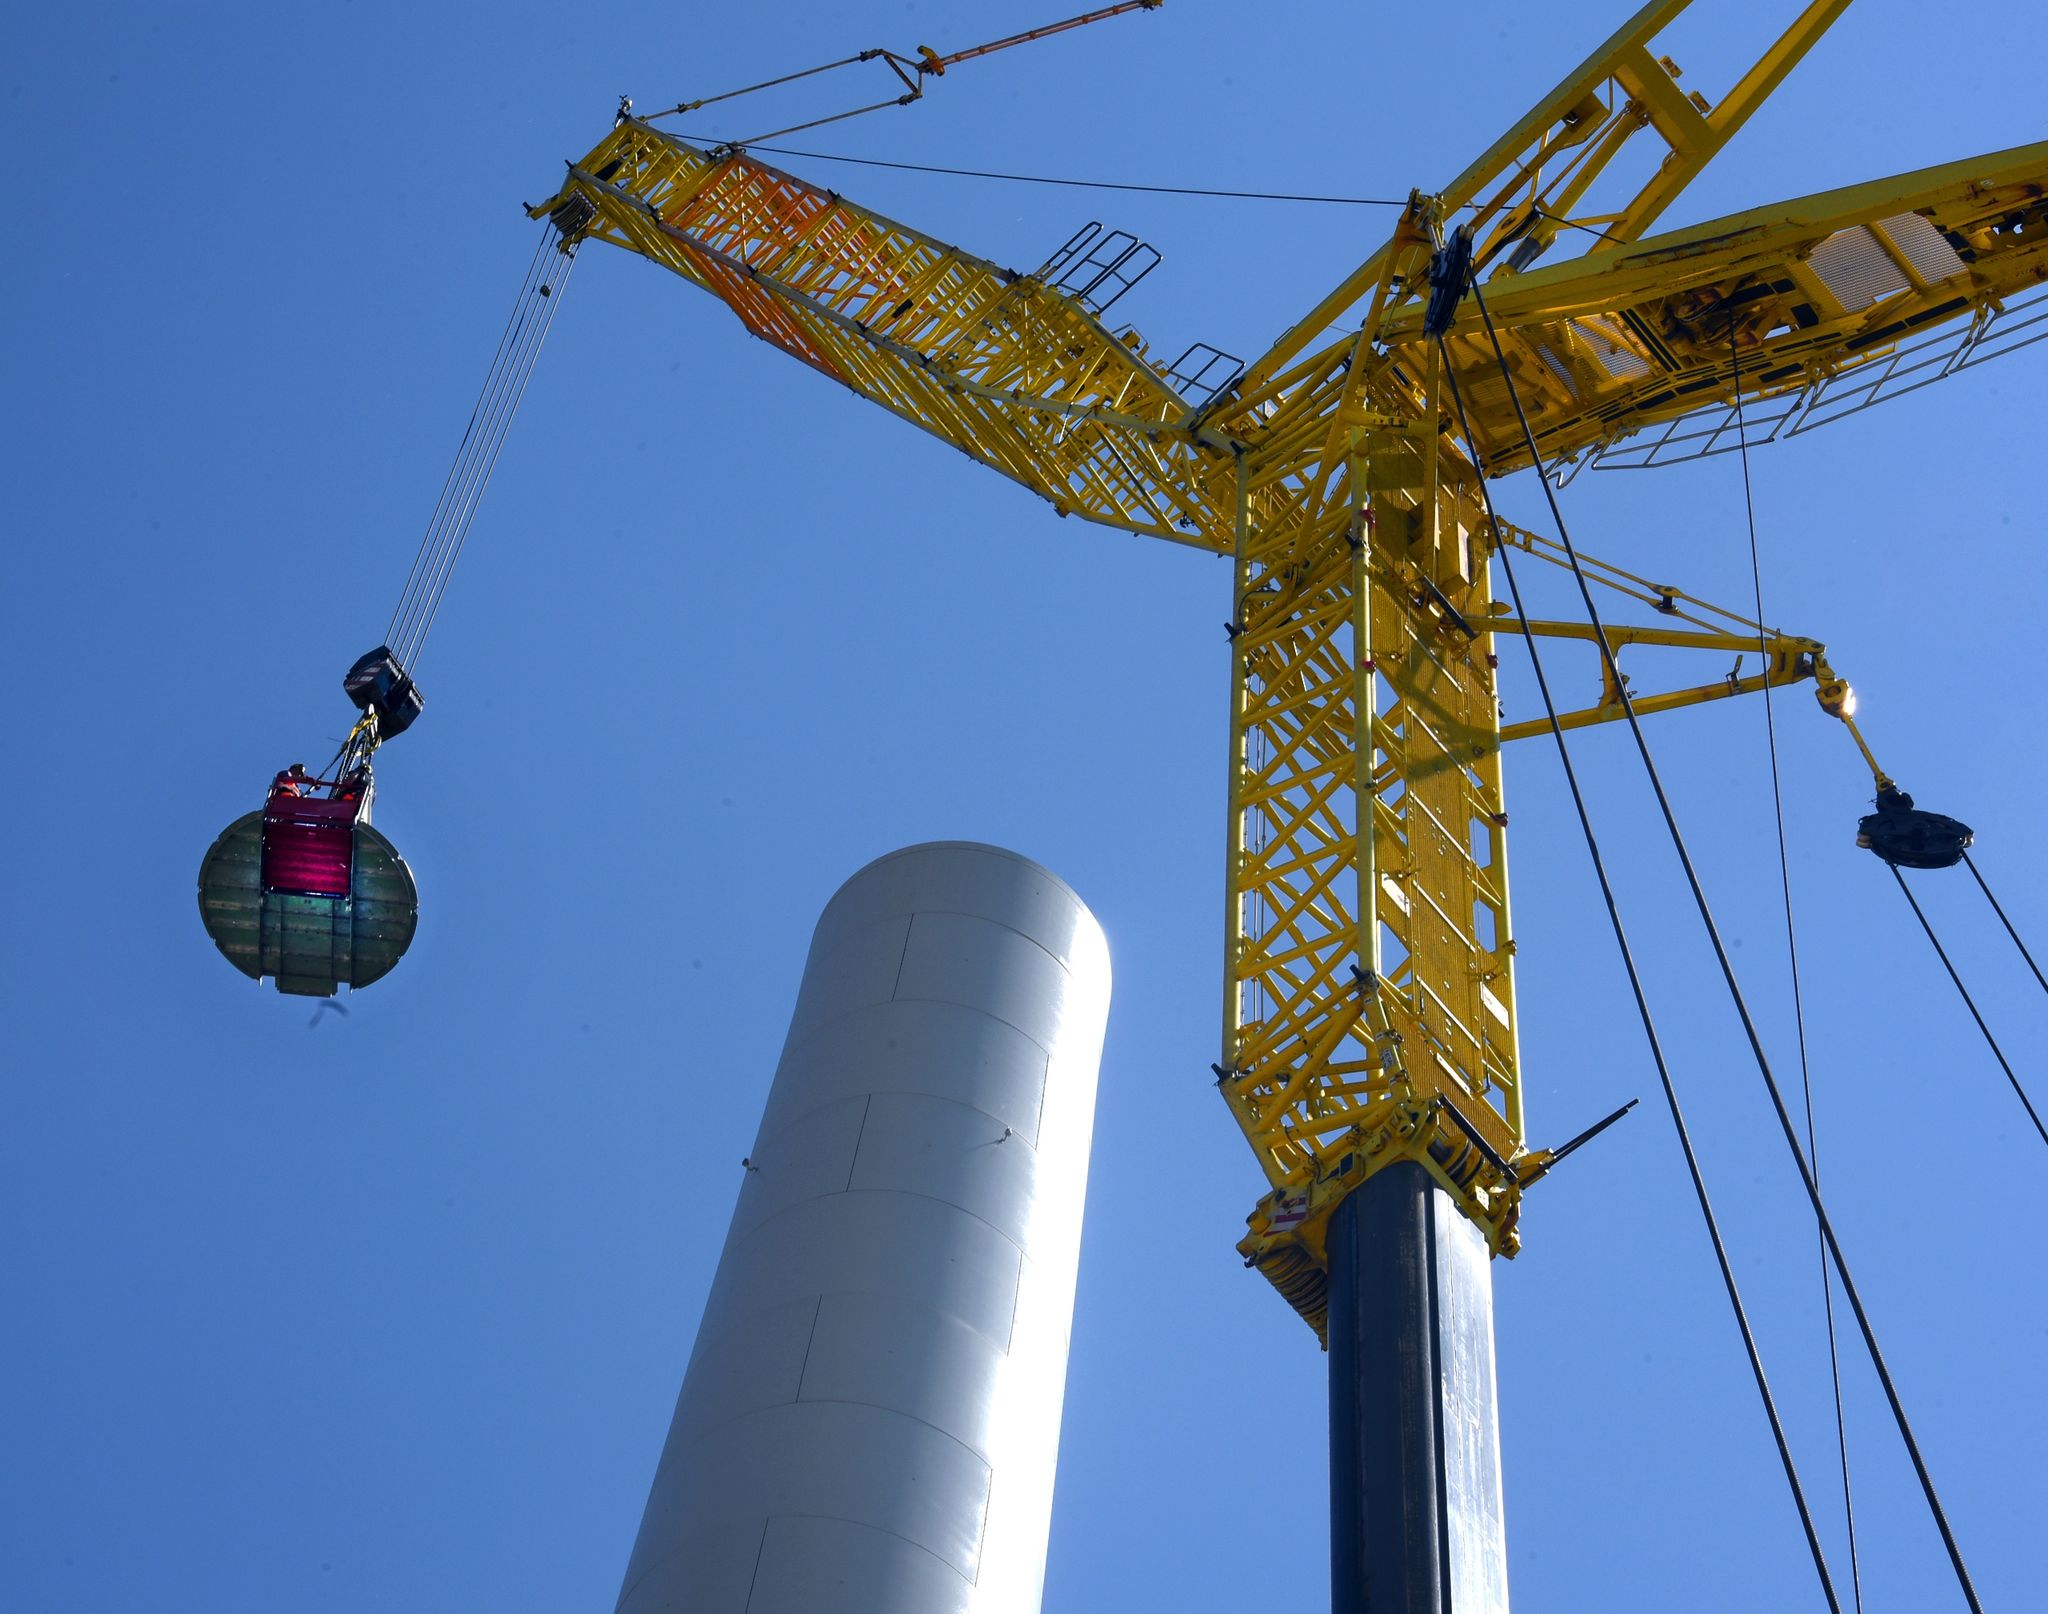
(1369, 1009)
(1369, 1006)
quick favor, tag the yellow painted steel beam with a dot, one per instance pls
(1369, 998)
(1369, 1007)
(1786, 661)
(1534, 181)
(1761, 304)
(1022, 377)
(1000, 364)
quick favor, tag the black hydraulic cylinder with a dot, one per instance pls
(1415, 1492)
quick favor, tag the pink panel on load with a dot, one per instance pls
(308, 846)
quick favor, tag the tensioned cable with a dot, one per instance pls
(765, 84)
(1969, 1003)
(1827, 1285)
(419, 558)
(512, 388)
(552, 297)
(1978, 875)
(476, 457)
(477, 445)
(1079, 184)
(1635, 982)
(1574, 224)
(1713, 930)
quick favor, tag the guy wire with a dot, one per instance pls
(1827, 1285)
(1635, 981)
(1969, 1002)
(1741, 1004)
(1978, 875)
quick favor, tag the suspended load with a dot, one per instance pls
(305, 890)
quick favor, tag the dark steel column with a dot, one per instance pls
(1415, 1500)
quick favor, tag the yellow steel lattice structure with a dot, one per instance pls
(998, 363)
(1369, 1008)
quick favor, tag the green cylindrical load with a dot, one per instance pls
(309, 945)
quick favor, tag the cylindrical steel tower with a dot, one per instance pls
(870, 1418)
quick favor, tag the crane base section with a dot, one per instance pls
(1416, 1522)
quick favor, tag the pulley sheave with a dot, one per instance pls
(1911, 837)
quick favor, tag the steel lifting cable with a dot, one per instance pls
(550, 295)
(1969, 1002)
(505, 384)
(1084, 184)
(910, 72)
(1978, 875)
(1827, 1286)
(1735, 994)
(534, 321)
(402, 612)
(1656, 1042)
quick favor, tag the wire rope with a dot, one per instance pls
(1978, 875)
(1656, 1042)
(507, 388)
(1079, 184)
(1827, 1287)
(434, 519)
(1969, 1003)
(476, 457)
(474, 444)
(765, 84)
(477, 449)
(1741, 1004)
(516, 391)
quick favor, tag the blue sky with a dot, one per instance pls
(389, 1313)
